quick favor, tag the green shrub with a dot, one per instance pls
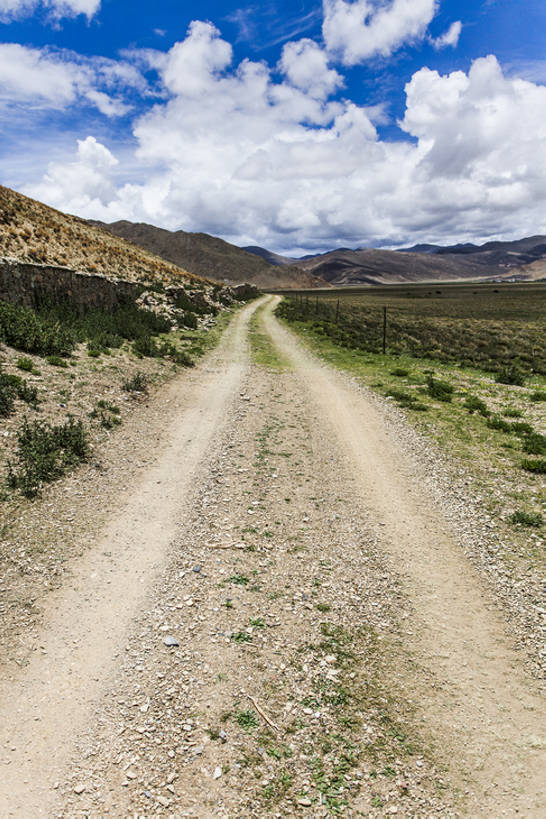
(46, 452)
(474, 404)
(531, 519)
(440, 390)
(400, 372)
(498, 423)
(538, 396)
(12, 387)
(25, 364)
(56, 361)
(24, 329)
(538, 466)
(534, 444)
(510, 412)
(138, 383)
(190, 320)
(511, 375)
(521, 428)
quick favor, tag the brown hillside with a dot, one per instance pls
(33, 232)
(211, 257)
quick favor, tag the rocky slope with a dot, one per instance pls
(33, 232)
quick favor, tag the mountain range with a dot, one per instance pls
(32, 231)
(524, 259)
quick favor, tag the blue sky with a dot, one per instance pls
(299, 126)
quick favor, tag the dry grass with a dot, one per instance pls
(33, 232)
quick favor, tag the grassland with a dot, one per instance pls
(490, 327)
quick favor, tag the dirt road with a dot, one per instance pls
(334, 649)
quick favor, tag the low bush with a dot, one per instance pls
(46, 452)
(440, 390)
(538, 466)
(138, 383)
(537, 396)
(25, 364)
(12, 387)
(510, 412)
(534, 444)
(474, 404)
(400, 372)
(498, 423)
(511, 375)
(531, 519)
(521, 428)
(56, 361)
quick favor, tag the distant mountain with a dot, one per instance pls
(269, 256)
(33, 232)
(211, 257)
(430, 263)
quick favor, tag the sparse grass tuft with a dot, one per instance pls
(531, 519)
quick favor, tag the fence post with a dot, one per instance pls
(337, 311)
(384, 330)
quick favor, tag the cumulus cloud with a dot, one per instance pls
(449, 38)
(235, 152)
(305, 65)
(16, 9)
(42, 78)
(357, 30)
(83, 185)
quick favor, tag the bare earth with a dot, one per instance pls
(336, 650)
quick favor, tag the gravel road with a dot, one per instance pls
(278, 621)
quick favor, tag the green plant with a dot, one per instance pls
(246, 720)
(241, 637)
(25, 364)
(239, 579)
(400, 372)
(511, 375)
(531, 519)
(537, 466)
(538, 396)
(534, 444)
(45, 452)
(511, 412)
(137, 383)
(498, 423)
(56, 361)
(474, 404)
(440, 390)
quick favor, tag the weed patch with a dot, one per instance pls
(46, 452)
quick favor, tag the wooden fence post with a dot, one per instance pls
(384, 330)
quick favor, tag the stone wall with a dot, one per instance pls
(33, 284)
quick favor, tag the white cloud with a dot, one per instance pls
(357, 30)
(235, 153)
(40, 78)
(16, 9)
(84, 185)
(449, 38)
(305, 65)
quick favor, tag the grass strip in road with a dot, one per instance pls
(264, 352)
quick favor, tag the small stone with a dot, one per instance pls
(163, 801)
(223, 735)
(78, 789)
(305, 803)
(217, 773)
(197, 569)
(170, 641)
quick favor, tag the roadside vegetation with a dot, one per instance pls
(67, 379)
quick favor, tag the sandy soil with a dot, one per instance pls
(335, 651)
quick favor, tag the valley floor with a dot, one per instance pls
(274, 618)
